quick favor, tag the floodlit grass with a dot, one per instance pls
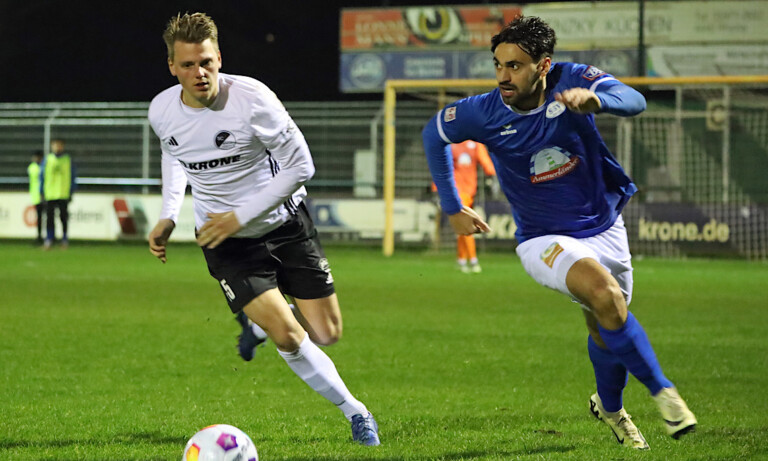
(106, 354)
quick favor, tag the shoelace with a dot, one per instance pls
(364, 427)
(629, 428)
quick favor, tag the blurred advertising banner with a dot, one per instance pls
(365, 71)
(606, 25)
(666, 229)
(674, 61)
(457, 27)
(670, 229)
(96, 217)
(683, 38)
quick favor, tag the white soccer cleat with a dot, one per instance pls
(620, 423)
(678, 418)
(476, 269)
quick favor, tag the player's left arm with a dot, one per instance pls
(287, 146)
(606, 95)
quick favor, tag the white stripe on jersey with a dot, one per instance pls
(440, 127)
(244, 153)
(602, 80)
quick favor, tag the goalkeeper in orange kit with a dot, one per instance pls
(466, 157)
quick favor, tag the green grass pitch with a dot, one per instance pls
(106, 354)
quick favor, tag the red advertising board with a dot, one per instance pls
(446, 27)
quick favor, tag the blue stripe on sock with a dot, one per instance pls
(631, 345)
(610, 374)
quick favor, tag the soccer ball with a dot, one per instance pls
(220, 442)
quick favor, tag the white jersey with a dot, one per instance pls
(244, 154)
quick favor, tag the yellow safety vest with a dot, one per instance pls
(57, 177)
(33, 170)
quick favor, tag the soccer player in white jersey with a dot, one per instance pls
(567, 192)
(232, 140)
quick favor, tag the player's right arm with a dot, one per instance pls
(158, 238)
(174, 185)
(436, 137)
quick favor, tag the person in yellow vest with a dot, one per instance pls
(35, 195)
(58, 181)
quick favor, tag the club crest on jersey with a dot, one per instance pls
(592, 73)
(450, 114)
(551, 163)
(555, 108)
(224, 140)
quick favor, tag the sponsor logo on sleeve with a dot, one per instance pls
(551, 253)
(450, 114)
(592, 73)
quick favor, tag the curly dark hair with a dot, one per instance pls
(531, 34)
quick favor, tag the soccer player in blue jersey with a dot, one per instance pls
(567, 192)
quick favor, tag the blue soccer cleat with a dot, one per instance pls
(365, 431)
(247, 341)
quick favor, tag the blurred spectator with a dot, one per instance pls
(58, 184)
(35, 194)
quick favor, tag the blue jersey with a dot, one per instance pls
(552, 164)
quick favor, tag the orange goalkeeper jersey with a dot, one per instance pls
(466, 156)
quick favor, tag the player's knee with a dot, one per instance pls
(329, 334)
(288, 339)
(606, 301)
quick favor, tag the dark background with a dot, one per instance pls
(54, 50)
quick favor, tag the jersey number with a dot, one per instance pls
(227, 290)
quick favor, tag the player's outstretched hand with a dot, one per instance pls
(579, 100)
(158, 238)
(467, 222)
(218, 227)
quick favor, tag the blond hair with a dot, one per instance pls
(190, 28)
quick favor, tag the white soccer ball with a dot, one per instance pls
(220, 442)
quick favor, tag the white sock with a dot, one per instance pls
(257, 331)
(316, 369)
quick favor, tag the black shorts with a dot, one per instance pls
(289, 257)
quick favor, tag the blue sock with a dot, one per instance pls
(630, 344)
(611, 376)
